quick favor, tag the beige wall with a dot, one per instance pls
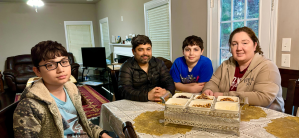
(288, 27)
(21, 27)
(188, 17)
(132, 12)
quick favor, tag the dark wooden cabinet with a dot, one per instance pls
(289, 79)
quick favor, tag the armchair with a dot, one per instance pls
(18, 70)
(167, 62)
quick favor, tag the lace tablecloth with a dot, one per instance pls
(113, 114)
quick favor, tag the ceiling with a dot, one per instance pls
(56, 1)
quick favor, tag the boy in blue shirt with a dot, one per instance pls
(51, 107)
(193, 70)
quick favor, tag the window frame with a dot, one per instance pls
(267, 33)
(105, 20)
(153, 4)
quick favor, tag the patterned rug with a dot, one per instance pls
(94, 101)
(18, 96)
(91, 101)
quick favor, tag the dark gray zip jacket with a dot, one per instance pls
(134, 83)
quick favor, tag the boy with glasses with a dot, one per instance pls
(51, 106)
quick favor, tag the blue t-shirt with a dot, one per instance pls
(69, 116)
(202, 72)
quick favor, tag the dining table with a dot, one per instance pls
(114, 114)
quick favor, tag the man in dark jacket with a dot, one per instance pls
(143, 77)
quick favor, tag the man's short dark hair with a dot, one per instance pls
(193, 40)
(140, 39)
(46, 50)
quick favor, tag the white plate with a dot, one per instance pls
(202, 102)
(236, 99)
(171, 101)
(227, 106)
(211, 97)
(189, 95)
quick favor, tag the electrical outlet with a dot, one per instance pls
(285, 60)
(286, 44)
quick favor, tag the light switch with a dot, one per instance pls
(121, 18)
(285, 60)
(286, 44)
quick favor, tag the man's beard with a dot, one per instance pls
(144, 61)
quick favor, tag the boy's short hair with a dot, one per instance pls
(140, 39)
(193, 40)
(46, 50)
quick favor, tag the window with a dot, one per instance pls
(226, 15)
(157, 27)
(235, 14)
(78, 34)
(104, 27)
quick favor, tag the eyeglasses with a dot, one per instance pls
(54, 65)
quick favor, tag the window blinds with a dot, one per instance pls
(78, 36)
(105, 38)
(158, 30)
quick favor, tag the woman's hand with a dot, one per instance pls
(208, 92)
(216, 94)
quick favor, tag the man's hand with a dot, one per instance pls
(156, 93)
(208, 92)
(216, 94)
(160, 92)
(151, 94)
(105, 136)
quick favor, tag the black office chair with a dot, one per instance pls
(114, 78)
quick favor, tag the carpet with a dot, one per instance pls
(18, 96)
(94, 101)
(91, 101)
